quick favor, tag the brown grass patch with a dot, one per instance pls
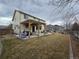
(55, 46)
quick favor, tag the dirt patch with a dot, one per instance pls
(0, 48)
(75, 47)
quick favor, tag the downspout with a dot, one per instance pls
(19, 23)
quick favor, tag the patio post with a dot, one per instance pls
(38, 29)
(29, 28)
(44, 29)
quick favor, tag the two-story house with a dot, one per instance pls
(25, 22)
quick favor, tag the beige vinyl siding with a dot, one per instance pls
(18, 27)
(16, 23)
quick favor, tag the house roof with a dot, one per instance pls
(26, 14)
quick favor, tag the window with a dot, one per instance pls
(25, 16)
(40, 27)
(36, 27)
(15, 27)
(14, 20)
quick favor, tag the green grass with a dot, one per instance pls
(55, 46)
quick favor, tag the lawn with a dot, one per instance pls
(55, 46)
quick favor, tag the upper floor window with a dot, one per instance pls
(14, 19)
(25, 16)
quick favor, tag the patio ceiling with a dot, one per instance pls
(32, 22)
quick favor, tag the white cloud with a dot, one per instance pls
(5, 20)
(40, 8)
(57, 23)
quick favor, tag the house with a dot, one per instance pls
(58, 28)
(5, 30)
(75, 30)
(54, 28)
(25, 22)
(49, 28)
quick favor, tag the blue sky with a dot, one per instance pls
(45, 9)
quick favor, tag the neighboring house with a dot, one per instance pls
(75, 30)
(49, 28)
(5, 30)
(55, 28)
(25, 22)
(58, 28)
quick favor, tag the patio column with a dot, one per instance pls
(29, 28)
(44, 29)
(38, 29)
(35, 28)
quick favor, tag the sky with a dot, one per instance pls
(52, 11)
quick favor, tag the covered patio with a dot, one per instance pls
(34, 28)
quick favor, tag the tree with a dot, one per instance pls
(75, 27)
